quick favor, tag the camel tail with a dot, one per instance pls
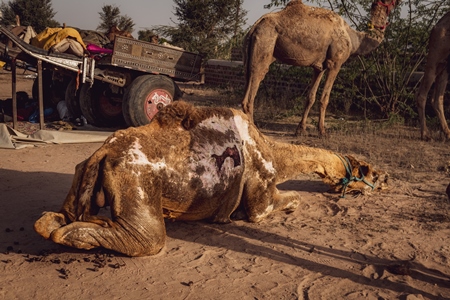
(247, 48)
(89, 178)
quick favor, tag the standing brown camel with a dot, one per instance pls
(436, 71)
(302, 35)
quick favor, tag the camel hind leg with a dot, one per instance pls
(136, 226)
(438, 101)
(258, 56)
(129, 238)
(421, 98)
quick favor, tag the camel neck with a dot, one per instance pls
(293, 160)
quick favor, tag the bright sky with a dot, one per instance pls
(85, 14)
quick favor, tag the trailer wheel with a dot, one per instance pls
(72, 98)
(145, 96)
(100, 105)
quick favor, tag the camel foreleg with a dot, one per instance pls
(262, 201)
(317, 77)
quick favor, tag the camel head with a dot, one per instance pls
(379, 15)
(360, 177)
(114, 31)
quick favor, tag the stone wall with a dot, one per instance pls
(230, 74)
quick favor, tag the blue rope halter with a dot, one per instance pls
(345, 181)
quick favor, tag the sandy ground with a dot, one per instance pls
(393, 244)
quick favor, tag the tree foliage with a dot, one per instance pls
(36, 13)
(209, 27)
(110, 16)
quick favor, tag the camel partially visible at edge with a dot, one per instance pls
(189, 163)
(302, 35)
(436, 71)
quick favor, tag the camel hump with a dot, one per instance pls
(179, 113)
(186, 115)
(294, 3)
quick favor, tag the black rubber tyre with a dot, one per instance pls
(72, 98)
(100, 106)
(145, 96)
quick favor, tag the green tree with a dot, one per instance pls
(36, 13)
(110, 16)
(209, 27)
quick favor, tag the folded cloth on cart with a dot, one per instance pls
(62, 40)
(26, 33)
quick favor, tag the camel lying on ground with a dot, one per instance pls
(307, 36)
(189, 163)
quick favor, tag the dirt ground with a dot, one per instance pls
(393, 244)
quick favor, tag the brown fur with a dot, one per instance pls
(448, 191)
(436, 71)
(189, 163)
(301, 35)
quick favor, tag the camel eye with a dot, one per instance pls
(364, 170)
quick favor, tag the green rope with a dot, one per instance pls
(345, 181)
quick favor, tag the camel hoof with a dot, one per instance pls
(49, 222)
(323, 134)
(300, 132)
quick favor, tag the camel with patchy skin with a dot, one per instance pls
(302, 35)
(436, 71)
(189, 163)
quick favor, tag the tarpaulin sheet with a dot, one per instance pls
(13, 139)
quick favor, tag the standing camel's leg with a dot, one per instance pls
(325, 98)
(258, 57)
(439, 49)
(317, 77)
(438, 100)
(421, 97)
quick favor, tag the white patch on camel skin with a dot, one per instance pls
(211, 176)
(242, 127)
(137, 157)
